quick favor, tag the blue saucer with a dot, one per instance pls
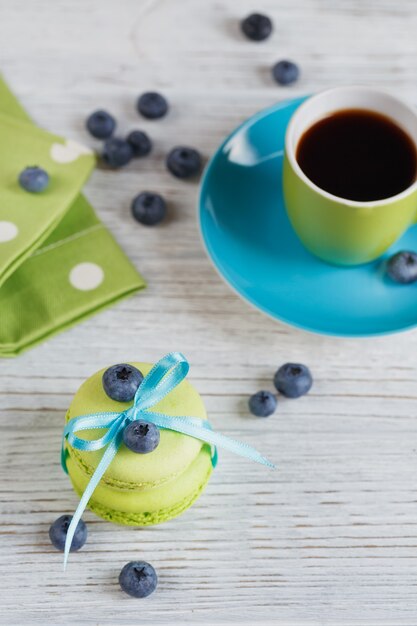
(252, 244)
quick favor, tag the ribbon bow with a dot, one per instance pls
(159, 382)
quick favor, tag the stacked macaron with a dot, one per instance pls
(140, 489)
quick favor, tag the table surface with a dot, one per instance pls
(331, 536)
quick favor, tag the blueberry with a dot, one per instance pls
(101, 124)
(138, 579)
(152, 105)
(121, 382)
(293, 380)
(140, 143)
(141, 437)
(262, 403)
(285, 72)
(58, 533)
(184, 162)
(33, 179)
(117, 152)
(256, 27)
(148, 208)
(402, 267)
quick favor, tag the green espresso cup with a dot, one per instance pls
(338, 230)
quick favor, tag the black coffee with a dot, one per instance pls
(358, 155)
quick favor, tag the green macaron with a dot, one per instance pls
(142, 489)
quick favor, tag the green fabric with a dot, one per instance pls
(142, 489)
(61, 265)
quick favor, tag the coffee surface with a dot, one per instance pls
(358, 155)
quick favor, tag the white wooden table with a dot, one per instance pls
(331, 537)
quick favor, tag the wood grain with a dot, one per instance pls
(331, 537)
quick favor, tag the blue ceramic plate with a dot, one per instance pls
(252, 244)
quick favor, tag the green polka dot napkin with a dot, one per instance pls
(58, 263)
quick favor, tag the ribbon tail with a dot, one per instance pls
(243, 449)
(105, 461)
(201, 431)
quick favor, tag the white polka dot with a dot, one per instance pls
(8, 231)
(86, 276)
(68, 151)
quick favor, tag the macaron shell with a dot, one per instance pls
(151, 506)
(129, 470)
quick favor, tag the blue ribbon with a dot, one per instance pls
(159, 382)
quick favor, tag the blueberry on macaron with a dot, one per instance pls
(293, 380)
(152, 105)
(59, 529)
(141, 436)
(256, 26)
(34, 179)
(101, 124)
(138, 579)
(121, 382)
(184, 162)
(402, 267)
(262, 404)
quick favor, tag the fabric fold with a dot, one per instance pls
(26, 219)
(58, 262)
